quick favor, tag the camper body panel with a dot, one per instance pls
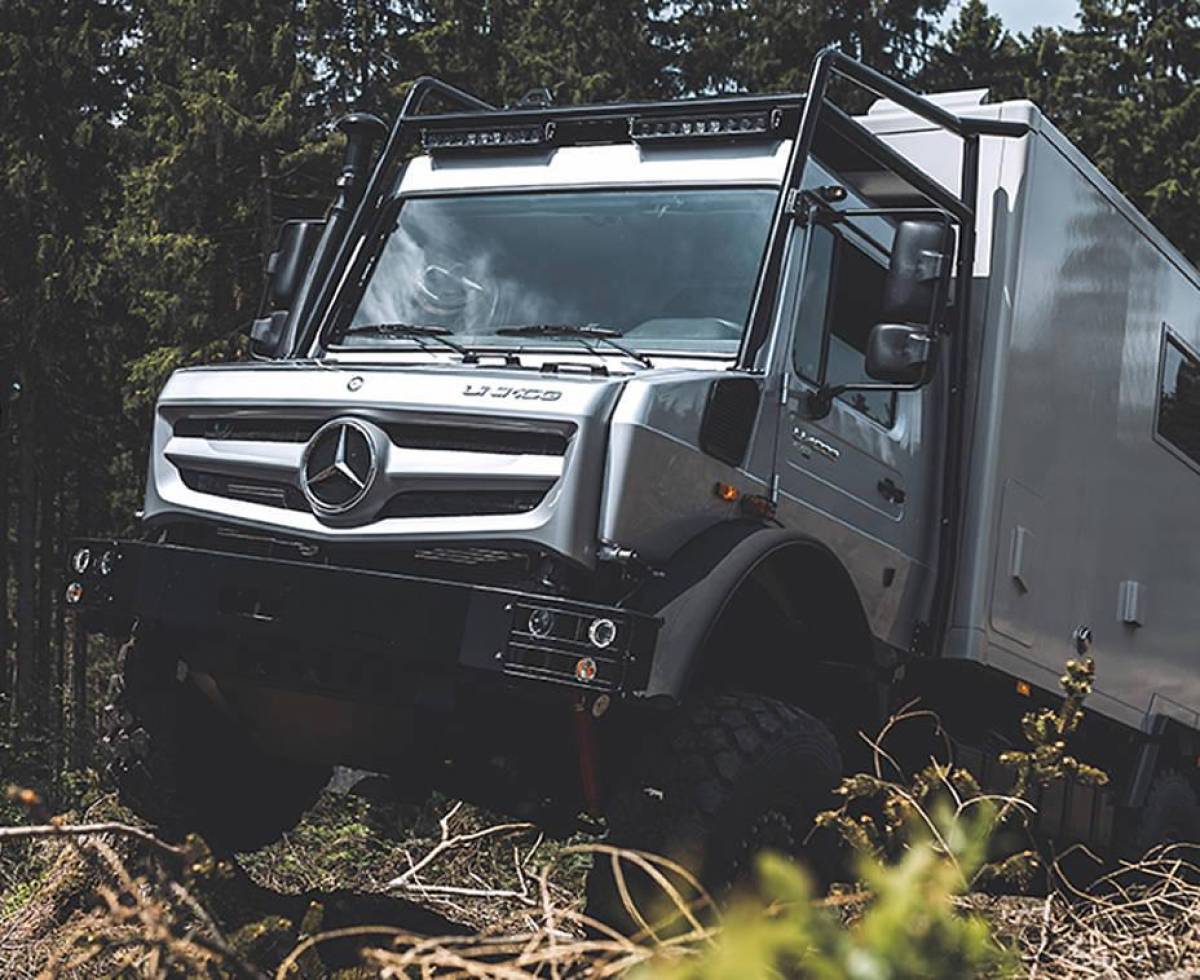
(1078, 513)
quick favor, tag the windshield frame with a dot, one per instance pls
(355, 282)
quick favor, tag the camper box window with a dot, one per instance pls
(1179, 398)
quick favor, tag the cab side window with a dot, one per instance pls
(844, 286)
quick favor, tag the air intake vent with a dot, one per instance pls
(477, 439)
(729, 418)
(455, 503)
(239, 488)
(248, 429)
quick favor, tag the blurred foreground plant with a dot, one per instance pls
(903, 812)
(921, 844)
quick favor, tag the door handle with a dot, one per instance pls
(889, 491)
(810, 444)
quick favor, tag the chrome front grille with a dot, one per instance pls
(436, 467)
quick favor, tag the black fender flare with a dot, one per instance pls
(695, 587)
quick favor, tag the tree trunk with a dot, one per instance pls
(47, 589)
(26, 662)
(81, 728)
(6, 411)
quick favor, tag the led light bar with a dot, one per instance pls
(735, 125)
(491, 138)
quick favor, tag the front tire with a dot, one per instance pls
(726, 777)
(180, 763)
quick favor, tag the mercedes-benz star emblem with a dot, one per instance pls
(339, 466)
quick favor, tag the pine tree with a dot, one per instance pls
(221, 114)
(1128, 92)
(579, 52)
(977, 52)
(61, 72)
(769, 45)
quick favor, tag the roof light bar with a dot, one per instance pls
(736, 125)
(489, 138)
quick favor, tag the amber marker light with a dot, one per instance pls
(727, 492)
(1024, 688)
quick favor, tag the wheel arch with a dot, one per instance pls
(780, 587)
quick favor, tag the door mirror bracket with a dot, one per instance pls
(901, 350)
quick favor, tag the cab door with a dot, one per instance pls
(859, 478)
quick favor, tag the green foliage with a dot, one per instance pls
(882, 817)
(977, 50)
(909, 927)
(1046, 730)
(1125, 87)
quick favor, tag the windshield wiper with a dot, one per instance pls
(412, 331)
(577, 332)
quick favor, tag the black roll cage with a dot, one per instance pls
(801, 115)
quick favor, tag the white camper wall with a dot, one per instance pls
(1095, 513)
(1071, 498)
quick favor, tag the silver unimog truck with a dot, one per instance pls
(629, 460)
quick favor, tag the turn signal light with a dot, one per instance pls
(1024, 688)
(727, 492)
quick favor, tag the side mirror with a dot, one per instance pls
(898, 353)
(288, 263)
(917, 284)
(285, 273)
(900, 350)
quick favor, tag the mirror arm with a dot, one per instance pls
(819, 403)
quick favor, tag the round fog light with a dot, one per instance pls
(81, 559)
(74, 593)
(108, 562)
(602, 632)
(585, 669)
(541, 622)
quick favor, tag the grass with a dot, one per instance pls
(511, 908)
(366, 887)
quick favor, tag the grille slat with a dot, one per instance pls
(413, 503)
(460, 437)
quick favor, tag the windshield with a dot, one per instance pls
(663, 270)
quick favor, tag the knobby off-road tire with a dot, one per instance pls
(181, 764)
(1170, 815)
(723, 778)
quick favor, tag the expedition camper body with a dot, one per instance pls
(595, 463)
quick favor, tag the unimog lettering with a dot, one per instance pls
(518, 394)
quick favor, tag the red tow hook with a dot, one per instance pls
(585, 745)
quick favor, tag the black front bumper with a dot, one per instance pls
(348, 631)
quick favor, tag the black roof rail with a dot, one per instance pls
(592, 119)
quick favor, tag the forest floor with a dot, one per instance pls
(373, 874)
